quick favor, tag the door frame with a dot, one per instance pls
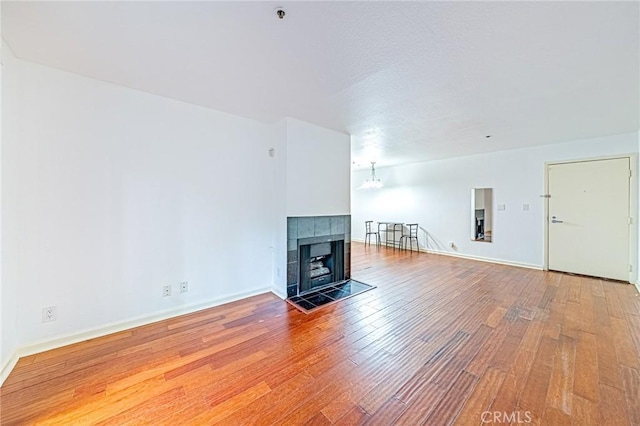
(633, 209)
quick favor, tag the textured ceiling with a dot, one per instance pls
(409, 81)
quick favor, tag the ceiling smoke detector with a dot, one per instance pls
(280, 12)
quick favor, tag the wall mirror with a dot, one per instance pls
(481, 214)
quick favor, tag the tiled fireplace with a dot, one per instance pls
(318, 252)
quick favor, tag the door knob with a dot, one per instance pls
(553, 220)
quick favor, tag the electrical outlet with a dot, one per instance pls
(184, 286)
(166, 290)
(49, 314)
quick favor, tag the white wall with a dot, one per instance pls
(8, 287)
(3, 356)
(436, 194)
(318, 170)
(280, 200)
(111, 193)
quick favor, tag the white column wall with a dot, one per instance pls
(318, 170)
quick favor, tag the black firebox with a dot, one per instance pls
(320, 264)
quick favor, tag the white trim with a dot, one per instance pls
(633, 209)
(115, 327)
(484, 259)
(472, 257)
(8, 367)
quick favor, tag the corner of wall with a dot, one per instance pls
(7, 367)
(2, 361)
(6, 54)
(279, 284)
(635, 181)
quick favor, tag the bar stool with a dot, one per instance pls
(413, 233)
(369, 233)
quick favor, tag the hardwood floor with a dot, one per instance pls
(440, 341)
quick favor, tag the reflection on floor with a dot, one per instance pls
(326, 295)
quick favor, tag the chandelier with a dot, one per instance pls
(373, 182)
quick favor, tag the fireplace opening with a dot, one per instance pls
(321, 264)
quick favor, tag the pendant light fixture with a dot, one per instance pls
(373, 182)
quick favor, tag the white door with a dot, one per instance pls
(588, 220)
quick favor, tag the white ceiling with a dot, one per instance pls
(410, 81)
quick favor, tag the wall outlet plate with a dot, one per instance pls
(166, 290)
(49, 313)
(184, 286)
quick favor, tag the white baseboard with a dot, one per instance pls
(8, 367)
(115, 327)
(485, 259)
(472, 257)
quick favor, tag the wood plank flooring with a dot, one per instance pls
(440, 341)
